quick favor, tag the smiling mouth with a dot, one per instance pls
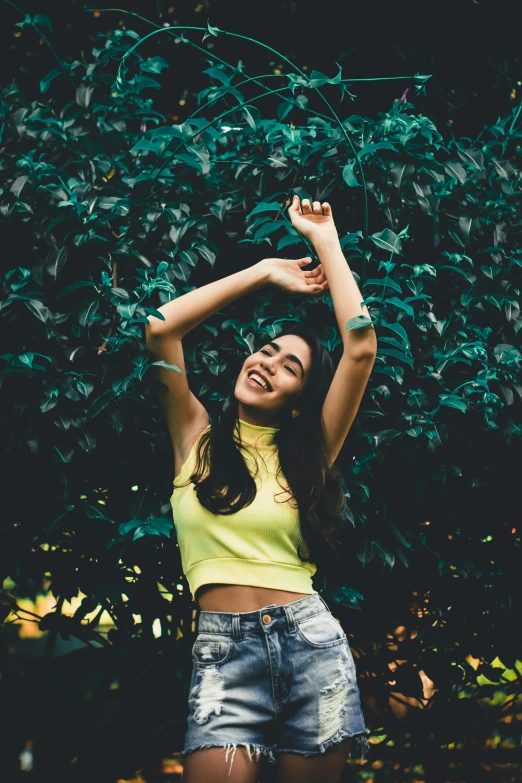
(255, 384)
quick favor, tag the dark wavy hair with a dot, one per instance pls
(316, 486)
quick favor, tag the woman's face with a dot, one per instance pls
(284, 363)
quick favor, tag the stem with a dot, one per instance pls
(515, 118)
(45, 39)
(385, 285)
(53, 633)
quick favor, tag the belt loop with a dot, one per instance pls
(236, 627)
(323, 602)
(289, 618)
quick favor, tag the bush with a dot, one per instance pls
(109, 211)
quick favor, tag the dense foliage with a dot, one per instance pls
(108, 210)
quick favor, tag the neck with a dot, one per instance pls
(255, 434)
(257, 418)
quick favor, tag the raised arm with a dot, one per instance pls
(185, 415)
(188, 311)
(315, 221)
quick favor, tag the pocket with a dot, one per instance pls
(210, 650)
(321, 630)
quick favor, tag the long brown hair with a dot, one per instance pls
(317, 487)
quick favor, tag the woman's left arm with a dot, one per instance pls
(316, 223)
(360, 345)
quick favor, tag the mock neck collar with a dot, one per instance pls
(255, 434)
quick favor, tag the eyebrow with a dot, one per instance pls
(290, 356)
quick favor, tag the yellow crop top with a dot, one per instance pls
(255, 546)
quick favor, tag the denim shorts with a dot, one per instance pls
(281, 679)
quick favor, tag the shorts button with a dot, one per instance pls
(266, 619)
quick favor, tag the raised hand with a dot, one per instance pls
(312, 221)
(287, 274)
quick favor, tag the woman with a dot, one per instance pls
(256, 503)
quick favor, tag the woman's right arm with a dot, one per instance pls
(188, 311)
(185, 415)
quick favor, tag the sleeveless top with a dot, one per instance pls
(255, 546)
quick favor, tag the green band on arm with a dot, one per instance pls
(358, 322)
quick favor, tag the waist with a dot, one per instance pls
(242, 598)
(233, 623)
(258, 573)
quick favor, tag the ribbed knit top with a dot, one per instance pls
(255, 546)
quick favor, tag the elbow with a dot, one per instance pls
(364, 347)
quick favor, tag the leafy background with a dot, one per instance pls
(111, 205)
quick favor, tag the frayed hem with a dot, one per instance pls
(252, 749)
(362, 746)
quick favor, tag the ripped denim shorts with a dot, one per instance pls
(281, 679)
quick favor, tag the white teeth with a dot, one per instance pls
(258, 378)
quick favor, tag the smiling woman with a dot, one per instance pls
(257, 505)
(278, 371)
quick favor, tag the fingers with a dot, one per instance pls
(315, 288)
(296, 205)
(316, 275)
(315, 280)
(316, 208)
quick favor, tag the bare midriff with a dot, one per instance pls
(241, 598)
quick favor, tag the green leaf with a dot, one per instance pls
(403, 357)
(347, 596)
(357, 322)
(401, 305)
(388, 240)
(218, 72)
(84, 94)
(349, 175)
(398, 329)
(27, 21)
(211, 31)
(18, 185)
(384, 282)
(48, 78)
(372, 147)
(456, 170)
(167, 366)
(55, 261)
(189, 256)
(42, 20)
(289, 239)
(452, 401)
(265, 206)
(151, 146)
(206, 253)
(154, 65)
(249, 116)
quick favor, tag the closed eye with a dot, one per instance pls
(286, 366)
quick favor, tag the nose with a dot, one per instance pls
(267, 367)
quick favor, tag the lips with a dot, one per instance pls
(261, 375)
(255, 384)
